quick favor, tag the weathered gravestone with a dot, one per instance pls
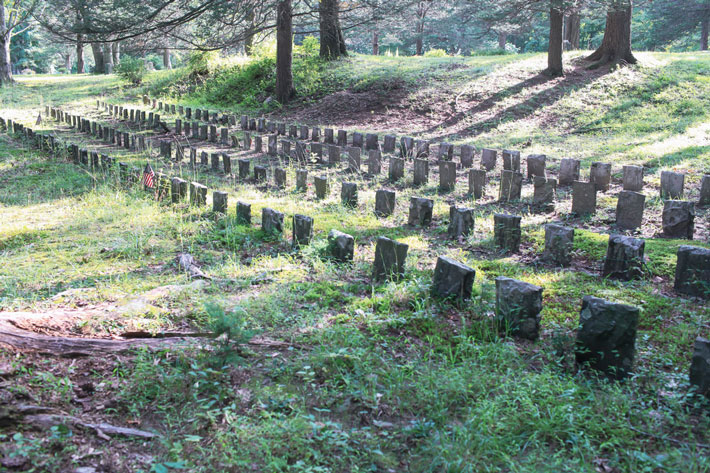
(536, 165)
(476, 182)
(374, 162)
(421, 172)
(447, 176)
(629, 210)
(705, 191)
(584, 198)
(243, 213)
(511, 186)
(678, 219)
(322, 187)
(406, 147)
(420, 211)
(446, 152)
(672, 185)
(544, 193)
(624, 258)
(600, 175)
(341, 246)
(692, 271)
(396, 169)
(606, 337)
(260, 174)
(372, 142)
(633, 178)
(244, 165)
(461, 221)
(559, 243)
(333, 155)
(506, 231)
(219, 202)
(390, 257)
(280, 178)
(301, 180)
(452, 279)
(178, 189)
(348, 194)
(198, 194)
(384, 202)
(700, 367)
(488, 159)
(518, 307)
(390, 144)
(302, 230)
(511, 160)
(342, 138)
(215, 159)
(467, 152)
(272, 221)
(354, 159)
(329, 136)
(422, 147)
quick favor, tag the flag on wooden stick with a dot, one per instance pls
(39, 119)
(148, 177)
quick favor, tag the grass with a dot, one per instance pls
(370, 378)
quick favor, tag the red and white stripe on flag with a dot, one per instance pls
(148, 177)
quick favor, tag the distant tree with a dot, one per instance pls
(616, 44)
(284, 52)
(332, 41)
(13, 20)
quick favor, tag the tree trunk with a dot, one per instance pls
(616, 45)
(167, 64)
(375, 43)
(502, 39)
(5, 61)
(79, 55)
(421, 15)
(108, 58)
(704, 26)
(116, 53)
(573, 25)
(284, 52)
(67, 62)
(332, 44)
(554, 53)
(249, 35)
(99, 65)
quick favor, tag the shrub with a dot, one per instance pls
(131, 69)
(435, 53)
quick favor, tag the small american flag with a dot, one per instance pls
(148, 177)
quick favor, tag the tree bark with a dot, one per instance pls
(616, 45)
(284, 52)
(249, 35)
(5, 61)
(167, 64)
(116, 53)
(332, 43)
(99, 64)
(375, 43)
(67, 62)
(79, 55)
(554, 54)
(704, 27)
(108, 58)
(502, 39)
(573, 25)
(421, 16)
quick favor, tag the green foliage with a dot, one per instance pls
(435, 53)
(131, 69)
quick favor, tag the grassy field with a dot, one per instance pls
(364, 377)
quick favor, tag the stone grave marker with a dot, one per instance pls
(600, 175)
(461, 221)
(511, 186)
(692, 271)
(396, 169)
(333, 155)
(705, 191)
(559, 243)
(302, 180)
(341, 246)
(536, 165)
(302, 230)
(348, 194)
(629, 210)
(219, 202)
(672, 184)
(420, 211)
(272, 221)
(260, 174)
(511, 160)
(477, 182)
(518, 307)
(354, 159)
(421, 171)
(390, 257)
(322, 187)
(384, 203)
(624, 258)
(545, 192)
(506, 230)
(243, 213)
(489, 157)
(390, 144)
(374, 163)
(633, 178)
(700, 367)
(678, 219)
(447, 176)
(584, 198)
(467, 152)
(280, 178)
(452, 279)
(198, 194)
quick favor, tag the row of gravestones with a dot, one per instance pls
(607, 333)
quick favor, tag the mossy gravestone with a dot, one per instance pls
(506, 230)
(624, 258)
(559, 242)
(692, 272)
(272, 221)
(678, 219)
(420, 211)
(700, 366)
(452, 279)
(302, 230)
(518, 307)
(390, 257)
(384, 202)
(341, 246)
(606, 338)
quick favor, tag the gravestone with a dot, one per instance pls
(203, 132)
(446, 152)
(195, 130)
(348, 194)
(280, 178)
(461, 221)
(406, 147)
(243, 213)
(390, 144)
(384, 203)
(244, 122)
(302, 230)
(420, 211)
(396, 169)
(584, 198)
(374, 162)
(341, 246)
(559, 243)
(272, 145)
(606, 337)
(215, 157)
(678, 219)
(227, 164)
(390, 257)
(536, 165)
(372, 142)
(285, 148)
(629, 210)
(506, 231)
(198, 194)
(329, 136)
(633, 178)
(322, 187)
(258, 144)
(511, 160)
(447, 176)
(219, 202)
(272, 221)
(544, 193)
(700, 367)
(317, 150)
(260, 174)
(511, 186)
(600, 175)
(293, 131)
(421, 172)
(354, 159)
(672, 185)
(224, 136)
(315, 134)
(260, 125)
(488, 159)
(244, 165)
(204, 158)
(692, 271)
(705, 191)
(421, 148)
(178, 189)
(452, 279)
(281, 129)
(342, 138)
(476, 182)
(467, 152)
(246, 144)
(303, 134)
(301, 180)
(333, 155)
(518, 307)
(624, 258)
